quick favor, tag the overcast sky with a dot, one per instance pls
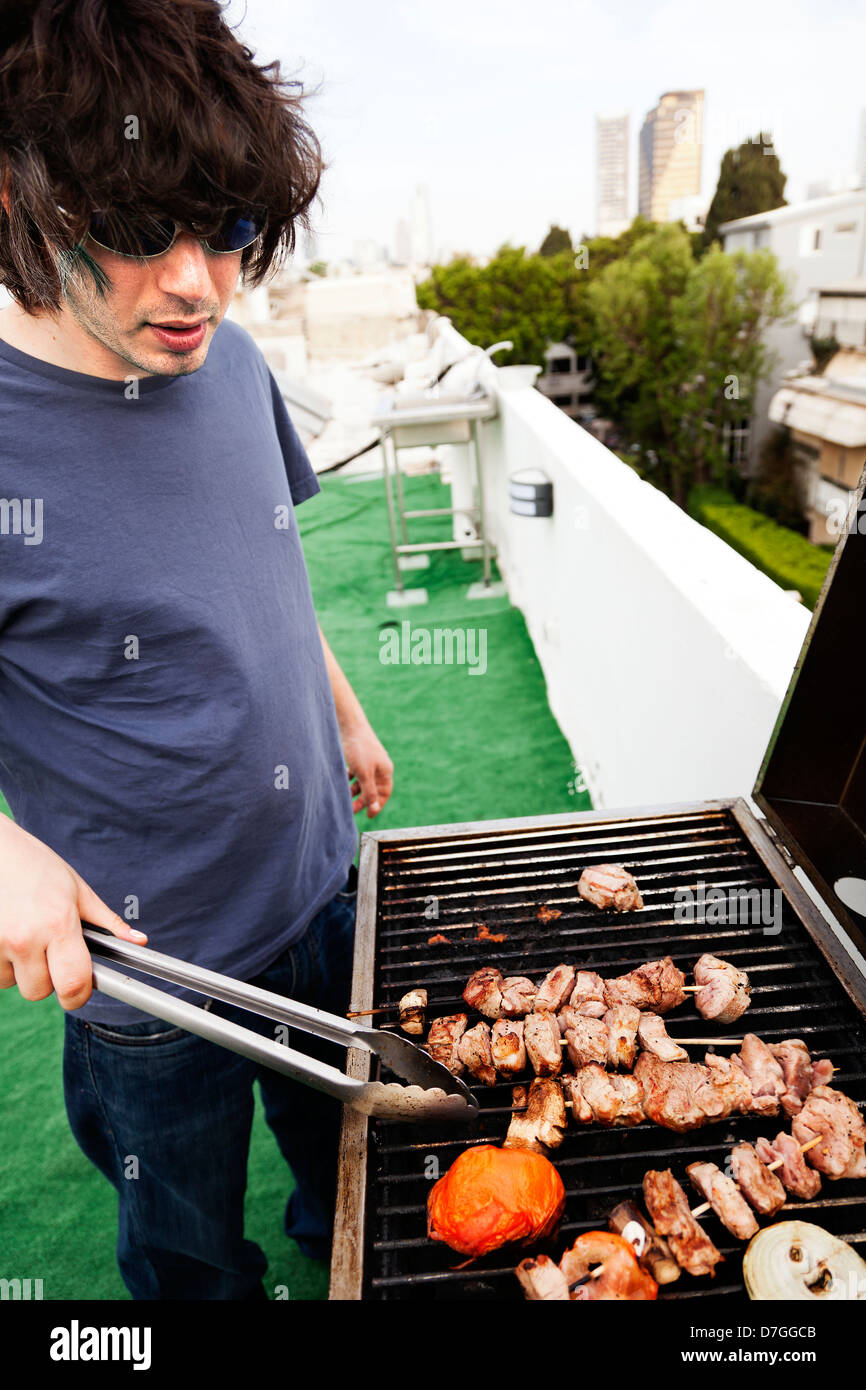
(491, 103)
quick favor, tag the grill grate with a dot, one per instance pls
(501, 878)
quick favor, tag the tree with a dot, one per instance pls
(557, 239)
(750, 180)
(778, 489)
(533, 300)
(679, 349)
(514, 296)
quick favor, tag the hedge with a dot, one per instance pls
(788, 558)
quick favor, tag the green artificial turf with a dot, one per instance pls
(465, 747)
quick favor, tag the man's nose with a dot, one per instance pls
(183, 271)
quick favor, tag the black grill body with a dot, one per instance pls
(447, 881)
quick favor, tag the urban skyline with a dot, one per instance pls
(498, 121)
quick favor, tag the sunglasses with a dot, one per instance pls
(154, 236)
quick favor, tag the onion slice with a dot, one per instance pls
(794, 1261)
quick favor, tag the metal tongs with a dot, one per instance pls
(433, 1093)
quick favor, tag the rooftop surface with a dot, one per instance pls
(465, 747)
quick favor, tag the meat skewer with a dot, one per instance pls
(741, 1176)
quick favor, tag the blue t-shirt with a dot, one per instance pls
(166, 718)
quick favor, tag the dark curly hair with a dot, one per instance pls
(214, 133)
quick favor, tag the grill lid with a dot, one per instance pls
(812, 782)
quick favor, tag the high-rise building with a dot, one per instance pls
(671, 143)
(611, 173)
(420, 231)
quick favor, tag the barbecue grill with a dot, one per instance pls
(445, 881)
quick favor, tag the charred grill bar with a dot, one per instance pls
(501, 875)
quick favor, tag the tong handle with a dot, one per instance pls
(251, 997)
(223, 1031)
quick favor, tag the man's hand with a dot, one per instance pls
(371, 772)
(43, 904)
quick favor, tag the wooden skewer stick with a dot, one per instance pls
(771, 1168)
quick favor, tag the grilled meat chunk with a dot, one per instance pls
(587, 1041)
(796, 1177)
(542, 1280)
(542, 1039)
(653, 1037)
(677, 1095)
(484, 991)
(567, 1018)
(518, 997)
(555, 989)
(521, 1134)
(822, 1072)
(473, 1049)
(605, 1098)
(668, 1207)
(656, 986)
(728, 1077)
(621, 1022)
(587, 997)
(725, 991)
(443, 1039)
(613, 1266)
(610, 886)
(412, 1007)
(628, 1221)
(542, 1125)
(838, 1121)
(765, 1075)
(725, 1199)
(760, 1187)
(798, 1072)
(507, 1046)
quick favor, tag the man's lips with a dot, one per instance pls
(180, 334)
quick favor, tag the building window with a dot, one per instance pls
(735, 441)
(810, 240)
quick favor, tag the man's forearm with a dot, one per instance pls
(371, 772)
(350, 714)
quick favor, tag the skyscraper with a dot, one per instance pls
(671, 143)
(611, 173)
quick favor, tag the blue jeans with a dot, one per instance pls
(166, 1117)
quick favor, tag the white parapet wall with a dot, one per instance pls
(666, 654)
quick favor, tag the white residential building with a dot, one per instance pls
(817, 243)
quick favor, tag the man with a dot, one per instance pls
(175, 733)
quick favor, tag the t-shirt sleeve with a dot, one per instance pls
(303, 482)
